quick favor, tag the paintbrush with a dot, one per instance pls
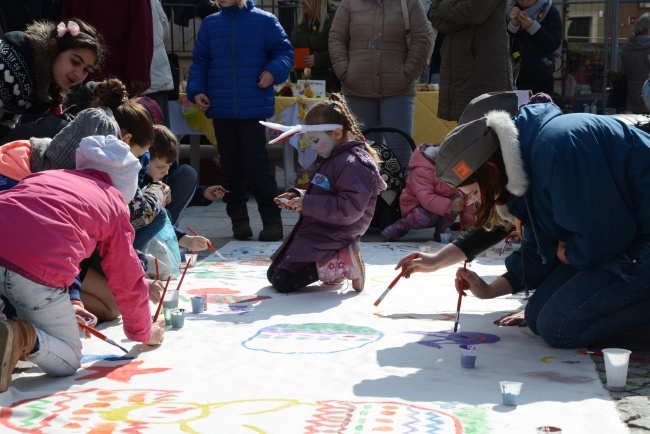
(599, 353)
(394, 282)
(101, 336)
(460, 299)
(157, 273)
(182, 277)
(209, 244)
(155, 317)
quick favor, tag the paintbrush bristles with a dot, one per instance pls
(460, 299)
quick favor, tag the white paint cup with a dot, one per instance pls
(616, 363)
(510, 391)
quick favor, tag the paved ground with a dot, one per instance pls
(633, 405)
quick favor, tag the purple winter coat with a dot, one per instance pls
(337, 207)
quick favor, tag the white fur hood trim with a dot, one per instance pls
(504, 127)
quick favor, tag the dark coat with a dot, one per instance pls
(588, 187)
(475, 55)
(305, 36)
(537, 47)
(337, 206)
(636, 64)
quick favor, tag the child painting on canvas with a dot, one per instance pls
(427, 202)
(335, 209)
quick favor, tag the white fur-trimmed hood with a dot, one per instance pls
(504, 127)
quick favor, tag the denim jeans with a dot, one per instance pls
(146, 233)
(576, 308)
(50, 311)
(242, 150)
(394, 111)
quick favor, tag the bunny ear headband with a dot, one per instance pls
(288, 131)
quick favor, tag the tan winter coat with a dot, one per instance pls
(475, 55)
(368, 47)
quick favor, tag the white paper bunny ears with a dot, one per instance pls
(289, 131)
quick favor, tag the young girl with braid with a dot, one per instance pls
(336, 208)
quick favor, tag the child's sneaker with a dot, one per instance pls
(394, 231)
(330, 271)
(355, 269)
(17, 338)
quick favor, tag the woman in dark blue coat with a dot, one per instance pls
(580, 186)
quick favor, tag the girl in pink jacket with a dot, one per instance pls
(427, 202)
(55, 219)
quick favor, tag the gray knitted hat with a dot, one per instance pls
(479, 106)
(61, 151)
(464, 150)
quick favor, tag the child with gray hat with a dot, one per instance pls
(579, 185)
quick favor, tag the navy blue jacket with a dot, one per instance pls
(233, 47)
(589, 185)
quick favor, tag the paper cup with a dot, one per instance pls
(616, 363)
(178, 319)
(167, 314)
(171, 299)
(198, 304)
(510, 392)
(445, 237)
(467, 356)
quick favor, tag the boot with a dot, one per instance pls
(396, 230)
(241, 225)
(347, 263)
(272, 230)
(17, 339)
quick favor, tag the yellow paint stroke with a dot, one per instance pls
(545, 359)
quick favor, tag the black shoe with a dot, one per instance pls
(241, 226)
(272, 230)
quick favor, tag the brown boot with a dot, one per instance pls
(17, 339)
(272, 230)
(241, 225)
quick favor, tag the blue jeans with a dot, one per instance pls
(394, 111)
(50, 311)
(242, 150)
(146, 233)
(576, 308)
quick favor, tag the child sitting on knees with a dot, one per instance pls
(57, 218)
(427, 202)
(337, 207)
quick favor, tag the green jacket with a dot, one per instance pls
(304, 36)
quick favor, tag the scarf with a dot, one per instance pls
(536, 12)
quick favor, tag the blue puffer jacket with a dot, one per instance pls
(233, 47)
(588, 185)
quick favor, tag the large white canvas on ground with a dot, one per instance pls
(320, 360)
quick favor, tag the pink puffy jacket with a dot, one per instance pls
(422, 188)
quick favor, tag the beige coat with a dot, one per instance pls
(368, 47)
(475, 55)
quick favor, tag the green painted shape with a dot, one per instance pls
(474, 420)
(329, 327)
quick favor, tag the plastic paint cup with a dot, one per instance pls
(616, 363)
(445, 237)
(546, 429)
(198, 304)
(167, 314)
(178, 319)
(171, 299)
(467, 356)
(510, 392)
